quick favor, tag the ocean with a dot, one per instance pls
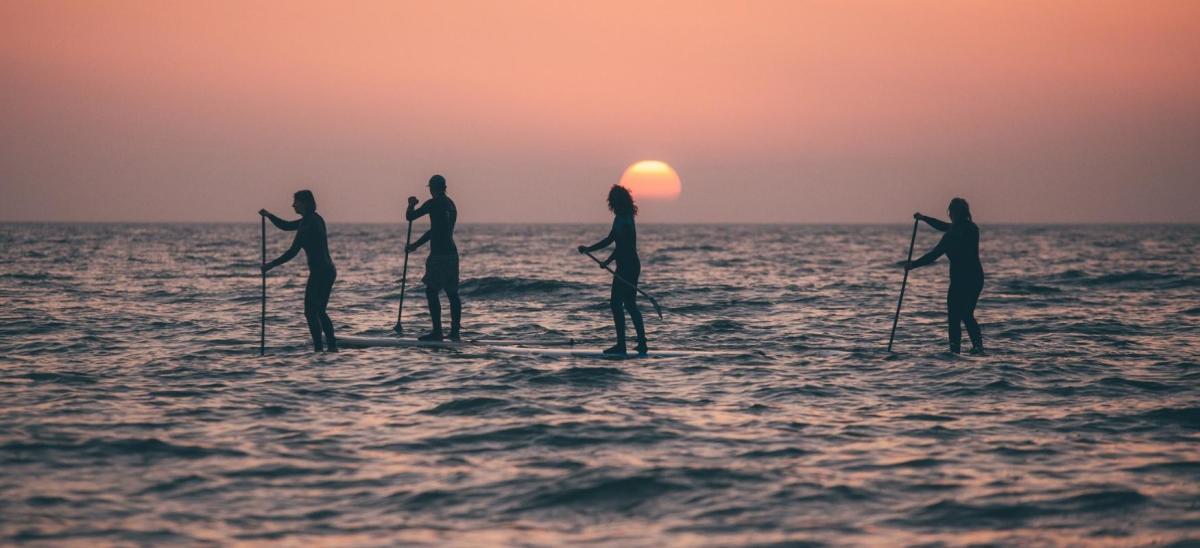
(136, 409)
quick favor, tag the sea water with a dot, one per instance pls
(136, 408)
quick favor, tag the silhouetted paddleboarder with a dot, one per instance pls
(311, 237)
(960, 244)
(629, 267)
(441, 268)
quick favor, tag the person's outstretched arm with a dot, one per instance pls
(618, 231)
(937, 224)
(297, 245)
(280, 223)
(929, 258)
(420, 241)
(607, 241)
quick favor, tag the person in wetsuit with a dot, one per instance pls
(623, 297)
(960, 244)
(441, 268)
(311, 237)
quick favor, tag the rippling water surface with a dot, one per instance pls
(136, 409)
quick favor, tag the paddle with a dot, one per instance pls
(399, 328)
(657, 308)
(903, 284)
(262, 338)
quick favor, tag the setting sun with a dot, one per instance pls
(652, 179)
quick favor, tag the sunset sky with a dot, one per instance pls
(795, 111)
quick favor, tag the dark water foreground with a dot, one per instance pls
(135, 408)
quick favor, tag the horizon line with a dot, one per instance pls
(585, 223)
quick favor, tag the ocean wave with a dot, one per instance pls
(604, 494)
(609, 491)
(117, 535)
(562, 435)
(173, 484)
(723, 326)
(697, 308)
(109, 448)
(927, 417)
(1073, 274)
(586, 376)
(786, 452)
(1187, 467)
(34, 276)
(1024, 287)
(805, 391)
(1124, 383)
(62, 378)
(687, 249)
(1187, 417)
(953, 514)
(273, 471)
(1125, 277)
(1133, 278)
(467, 406)
(495, 286)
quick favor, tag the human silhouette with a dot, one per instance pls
(960, 244)
(623, 297)
(441, 268)
(311, 237)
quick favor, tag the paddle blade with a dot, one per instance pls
(657, 309)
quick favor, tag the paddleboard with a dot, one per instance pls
(599, 353)
(370, 342)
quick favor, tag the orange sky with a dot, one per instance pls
(791, 111)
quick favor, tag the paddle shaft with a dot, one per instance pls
(903, 284)
(657, 309)
(262, 337)
(403, 281)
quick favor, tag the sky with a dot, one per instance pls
(793, 111)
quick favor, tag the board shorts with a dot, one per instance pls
(441, 272)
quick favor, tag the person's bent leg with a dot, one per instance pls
(311, 313)
(323, 315)
(618, 313)
(435, 315)
(974, 333)
(973, 330)
(635, 314)
(954, 321)
(955, 333)
(455, 313)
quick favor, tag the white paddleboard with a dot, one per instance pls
(599, 353)
(370, 342)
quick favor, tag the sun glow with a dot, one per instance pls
(652, 179)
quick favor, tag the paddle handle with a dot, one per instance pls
(653, 301)
(912, 242)
(403, 282)
(262, 335)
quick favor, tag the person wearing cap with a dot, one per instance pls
(441, 268)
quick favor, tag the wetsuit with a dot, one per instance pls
(311, 237)
(623, 297)
(960, 244)
(441, 268)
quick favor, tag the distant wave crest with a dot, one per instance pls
(497, 286)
